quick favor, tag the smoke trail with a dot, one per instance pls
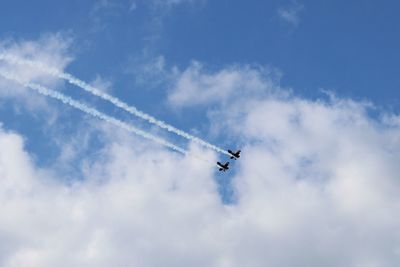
(91, 111)
(131, 109)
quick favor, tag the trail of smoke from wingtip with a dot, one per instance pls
(91, 111)
(117, 102)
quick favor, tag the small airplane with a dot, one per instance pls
(234, 155)
(223, 167)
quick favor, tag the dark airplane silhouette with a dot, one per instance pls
(223, 167)
(234, 155)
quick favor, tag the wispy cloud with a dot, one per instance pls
(52, 49)
(172, 3)
(132, 5)
(291, 13)
(102, 84)
(150, 72)
(196, 86)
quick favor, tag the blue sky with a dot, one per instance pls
(334, 44)
(307, 89)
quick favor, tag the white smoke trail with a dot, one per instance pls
(91, 111)
(117, 102)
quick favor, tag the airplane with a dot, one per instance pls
(234, 155)
(223, 167)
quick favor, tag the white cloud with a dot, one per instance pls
(102, 84)
(197, 87)
(50, 49)
(171, 3)
(132, 5)
(291, 13)
(317, 185)
(151, 72)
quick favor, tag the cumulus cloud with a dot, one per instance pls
(317, 186)
(85, 217)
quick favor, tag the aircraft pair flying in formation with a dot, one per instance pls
(234, 155)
